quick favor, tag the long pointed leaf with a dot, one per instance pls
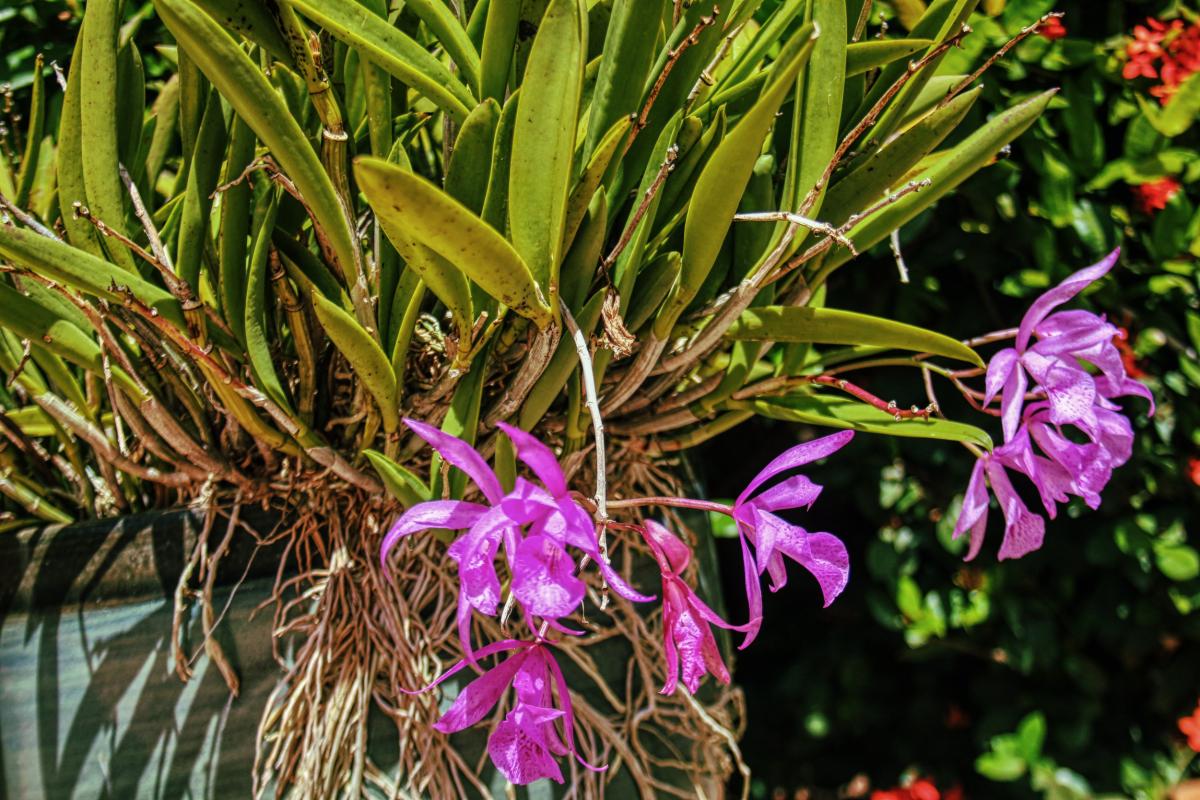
(436, 220)
(241, 82)
(832, 326)
(544, 142)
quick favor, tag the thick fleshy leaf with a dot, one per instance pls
(544, 579)
(365, 355)
(240, 81)
(948, 171)
(723, 179)
(865, 56)
(832, 326)
(460, 454)
(838, 411)
(385, 45)
(1060, 294)
(797, 456)
(540, 171)
(436, 220)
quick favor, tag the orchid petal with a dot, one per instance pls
(460, 454)
(1023, 530)
(1012, 401)
(753, 592)
(517, 747)
(1060, 294)
(973, 515)
(451, 514)
(669, 550)
(564, 699)
(794, 492)
(501, 646)
(999, 369)
(544, 579)
(797, 456)
(480, 696)
(538, 457)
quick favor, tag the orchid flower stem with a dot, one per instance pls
(593, 405)
(862, 394)
(673, 502)
(989, 338)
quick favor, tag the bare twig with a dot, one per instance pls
(999, 54)
(635, 219)
(861, 26)
(672, 59)
(824, 228)
(901, 267)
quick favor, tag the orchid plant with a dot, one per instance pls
(336, 235)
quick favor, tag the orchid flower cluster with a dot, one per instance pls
(543, 529)
(1062, 429)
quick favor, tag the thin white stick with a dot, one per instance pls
(899, 256)
(796, 219)
(593, 404)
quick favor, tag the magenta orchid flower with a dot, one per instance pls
(688, 640)
(1064, 340)
(535, 524)
(525, 746)
(822, 554)
(1066, 394)
(1023, 529)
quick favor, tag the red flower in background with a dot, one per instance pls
(920, 789)
(1190, 727)
(1052, 29)
(1154, 196)
(1194, 470)
(1167, 51)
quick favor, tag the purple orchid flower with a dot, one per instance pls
(1023, 529)
(534, 523)
(687, 638)
(822, 554)
(1035, 442)
(524, 746)
(1064, 340)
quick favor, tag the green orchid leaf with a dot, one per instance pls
(723, 179)
(400, 482)
(241, 82)
(427, 215)
(835, 411)
(388, 47)
(948, 171)
(367, 359)
(865, 56)
(831, 326)
(543, 146)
